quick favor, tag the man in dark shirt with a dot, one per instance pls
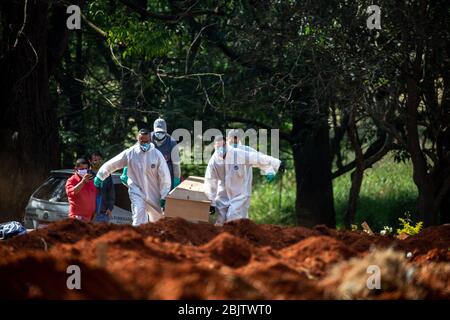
(168, 147)
(106, 196)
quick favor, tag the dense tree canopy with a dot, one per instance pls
(342, 95)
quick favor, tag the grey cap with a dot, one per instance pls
(160, 125)
(235, 133)
(218, 138)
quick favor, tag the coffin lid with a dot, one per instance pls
(191, 188)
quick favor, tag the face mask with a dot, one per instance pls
(160, 135)
(221, 151)
(145, 147)
(234, 145)
(82, 172)
(96, 165)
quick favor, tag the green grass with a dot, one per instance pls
(386, 194)
(265, 206)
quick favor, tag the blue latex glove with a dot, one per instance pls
(98, 183)
(124, 176)
(176, 181)
(162, 203)
(270, 177)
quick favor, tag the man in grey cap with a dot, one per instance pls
(168, 147)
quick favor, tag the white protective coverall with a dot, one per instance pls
(228, 181)
(148, 180)
(249, 177)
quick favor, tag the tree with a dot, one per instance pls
(413, 104)
(33, 40)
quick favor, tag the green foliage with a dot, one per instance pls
(386, 192)
(138, 38)
(129, 33)
(408, 227)
(264, 62)
(265, 206)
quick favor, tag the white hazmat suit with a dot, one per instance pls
(228, 181)
(148, 180)
(248, 174)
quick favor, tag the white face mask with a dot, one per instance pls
(82, 172)
(160, 135)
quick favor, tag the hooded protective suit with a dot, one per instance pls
(148, 180)
(228, 181)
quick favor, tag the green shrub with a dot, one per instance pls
(407, 226)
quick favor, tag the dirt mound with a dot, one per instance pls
(65, 231)
(39, 275)
(317, 253)
(176, 259)
(279, 280)
(276, 237)
(398, 279)
(180, 231)
(438, 236)
(435, 279)
(229, 250)
(184, 232)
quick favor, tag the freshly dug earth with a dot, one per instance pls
(175, 259)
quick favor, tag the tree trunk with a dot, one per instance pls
(445, 210)
(426, 204)
(28, 134)
(70, 81)
(444, 156)
(311, 147)
(357, 175)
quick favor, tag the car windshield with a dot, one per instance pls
(52, 190)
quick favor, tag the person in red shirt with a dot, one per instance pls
(81, 192)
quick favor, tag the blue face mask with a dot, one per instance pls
(234, 145)
(145, 147)
(221, 151)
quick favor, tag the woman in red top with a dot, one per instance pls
(81, 192)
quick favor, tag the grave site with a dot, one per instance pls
(183, 256)
(222, 150)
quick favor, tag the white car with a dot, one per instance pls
(49, 202)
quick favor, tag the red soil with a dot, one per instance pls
(175, 259)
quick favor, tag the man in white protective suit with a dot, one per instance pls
(148, 178)
(228, 181)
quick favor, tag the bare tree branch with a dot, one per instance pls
(372, 155)
(283, 135)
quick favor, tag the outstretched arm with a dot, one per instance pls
(267, 164)
(112, 165)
